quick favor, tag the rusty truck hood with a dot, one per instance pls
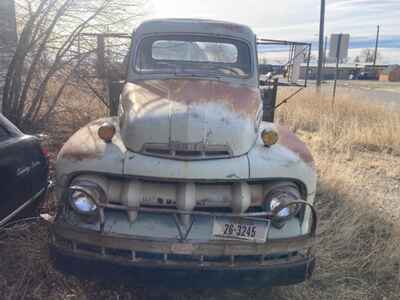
(189, 117)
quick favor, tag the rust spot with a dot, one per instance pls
(84, 144)
(292, 142)
(243, 100)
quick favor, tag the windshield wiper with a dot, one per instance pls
(201, 73)
(206, 74)
(181, 71)
(174, 67)
(229, 69)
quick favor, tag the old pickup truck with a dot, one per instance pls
(188, 185)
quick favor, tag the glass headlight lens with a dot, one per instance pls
(85, 196)
(278, 201)
(83, 203)
(275, 203)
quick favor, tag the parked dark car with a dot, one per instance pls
(23, 172)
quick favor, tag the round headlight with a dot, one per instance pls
(83, 203)
(280, 202)
(275, 203)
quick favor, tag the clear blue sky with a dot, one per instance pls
(298, 20)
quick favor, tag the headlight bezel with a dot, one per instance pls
(287, 198)
(92, 191)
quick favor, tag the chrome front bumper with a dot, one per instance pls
(151, 252)
(173, 264)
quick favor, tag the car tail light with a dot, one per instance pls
(45, 152)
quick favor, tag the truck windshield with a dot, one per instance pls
(193, 56)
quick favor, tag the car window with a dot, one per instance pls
(194, 55)
(4, 135)
(194, 51)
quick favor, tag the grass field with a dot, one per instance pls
(356, 146)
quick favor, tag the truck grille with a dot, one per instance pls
(187, 151)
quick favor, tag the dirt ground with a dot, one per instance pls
(358, 240)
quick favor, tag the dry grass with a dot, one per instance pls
(356, 148)
(346, 123)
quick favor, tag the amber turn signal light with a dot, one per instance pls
(269, 137)
(106, 132)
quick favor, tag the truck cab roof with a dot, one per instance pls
(204, 30)
(196, 26)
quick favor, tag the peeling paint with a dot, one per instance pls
(292, 142)
(243, 100)
(85, 144)
(207, 113)
(183, 116)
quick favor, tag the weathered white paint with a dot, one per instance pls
(203, 118)
(186, 200)
(131, 196)
(202, 112)
(241, 197)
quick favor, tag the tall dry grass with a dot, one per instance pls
(348, 121)
(356, 148)
(356, 144)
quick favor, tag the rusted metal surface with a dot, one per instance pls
(289, 159)
(292, 142)
(166, 181)
(211, 248)
(242, 100)
(86, 152)
(196, 113)
(85, 144)
(189, 112)
(170, 263)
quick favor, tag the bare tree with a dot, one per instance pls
(367, 55)
(45, 50)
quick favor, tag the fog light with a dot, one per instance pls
(106, 132)
(269, 137)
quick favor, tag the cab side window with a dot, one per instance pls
(4, 135)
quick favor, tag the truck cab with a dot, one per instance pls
(188, 185)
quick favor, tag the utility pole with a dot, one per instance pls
(376, 45)
(339, 44)
(321, 43)
(325, 57)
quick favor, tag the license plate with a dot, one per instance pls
(245, 230)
